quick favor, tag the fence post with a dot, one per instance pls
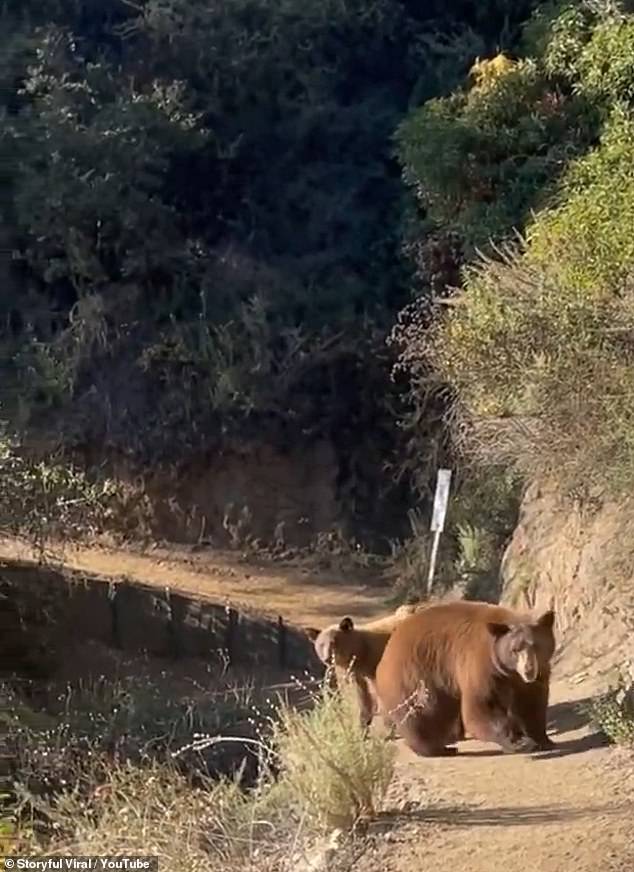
(172, 627)
(115, 631)
(230, 633)
(281, 641)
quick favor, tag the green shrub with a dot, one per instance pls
(544, 375)
(133, 310)
(586, 240)
(606, 63)
(482, 158)
(491, 495)
(585, 46)
(48, 501)
(557, 32)
(333, 773)
(538, 347)
(614, 711)
(477, 563)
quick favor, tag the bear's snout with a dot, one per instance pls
(527, 666)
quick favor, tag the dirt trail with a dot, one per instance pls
(568, 810)
(301, 593)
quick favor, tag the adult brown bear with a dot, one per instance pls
(484, 663)
(355, 651)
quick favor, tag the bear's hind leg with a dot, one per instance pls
(430, 723)
(365, 699)
(367, 704)
(416, 735)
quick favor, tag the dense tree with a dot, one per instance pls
(206, 212)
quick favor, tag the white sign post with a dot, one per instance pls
(441, 501)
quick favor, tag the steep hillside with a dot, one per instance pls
(581, 561)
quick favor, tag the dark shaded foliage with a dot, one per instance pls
(206, 214)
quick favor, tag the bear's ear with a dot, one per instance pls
(346, 624)
(498, 630)
(547, 620)
(312, 633)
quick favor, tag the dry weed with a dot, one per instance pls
(333, 771)
(318, 770)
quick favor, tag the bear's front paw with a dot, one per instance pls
(526, 745)
(518, 745)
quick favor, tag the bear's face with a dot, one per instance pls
(340, 642)
(525, 648)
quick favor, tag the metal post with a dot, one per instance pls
(441, 500)
(432, 562)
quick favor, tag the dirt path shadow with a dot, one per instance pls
(570, 715)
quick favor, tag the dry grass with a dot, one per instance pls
(333, 773)
(154, 810)
(78, 794)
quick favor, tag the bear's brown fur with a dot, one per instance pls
(355, 650)
(486, 664)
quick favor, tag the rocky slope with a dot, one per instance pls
(580, 561)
